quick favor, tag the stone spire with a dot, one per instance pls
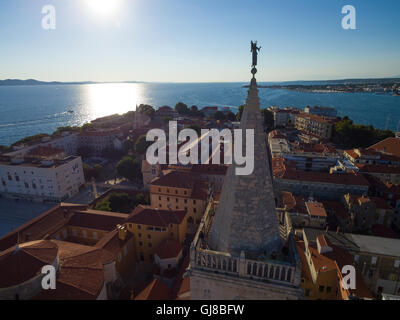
(246, 218)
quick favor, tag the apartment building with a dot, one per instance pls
(314, 124)
(151, 228)
(377, 258)
(41, 179)
(178, 190)
(322, 185)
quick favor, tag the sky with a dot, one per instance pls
(198, 40)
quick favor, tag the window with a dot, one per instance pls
(139, 227)
(26, 185)
(397, 263)
(373, 260)
(321, 288)
(139, 235)
(141, 256)
(356, 257)
(95, 235)
(307, 293)
(150, 245)
(140, 243)
(328, 289)
(149, 236)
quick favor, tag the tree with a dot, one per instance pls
(268, 118)
(129, 168)
(351, 135)
(91, 172)
(128, 146)
(111, 153)
(219, 115)
(141, 144)
(230, 116)
(147, 110)
(120, 202)
(240, 112)
(103, 206)
(181, 108)
(194, 109)
(87, 126)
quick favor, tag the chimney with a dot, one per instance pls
(122, 232)
(337, 230)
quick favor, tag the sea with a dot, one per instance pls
(29, 110)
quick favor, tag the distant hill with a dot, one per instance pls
(33, 82)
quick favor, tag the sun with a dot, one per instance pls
(104, 7)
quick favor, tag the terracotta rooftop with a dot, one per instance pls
(94, 219)
(315, 209)
(155, 217)
(25, 261)
(81, 275)
(45, 151)
(46, 223)
(184, 180)
(324, 177)
(389, 146)
(182, 285)
(378, 168)
(156, 290)
(169, 249)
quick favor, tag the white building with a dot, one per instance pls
(68, 142)
(41, 180)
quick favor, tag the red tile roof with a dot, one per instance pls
(182, 285)
(95, 219)
(25, 261)
(315, 209)
(378, 168)
(156, 290)
(156, 217)
(45, 151)
(324, 177)
(389, 146)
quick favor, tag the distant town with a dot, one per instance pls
(384, 86)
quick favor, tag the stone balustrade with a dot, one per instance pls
(202, 258)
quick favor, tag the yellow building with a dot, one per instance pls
(322, 263)
(151, 227)
(177, 190)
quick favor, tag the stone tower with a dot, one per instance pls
(246, 217)
(236, 252)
